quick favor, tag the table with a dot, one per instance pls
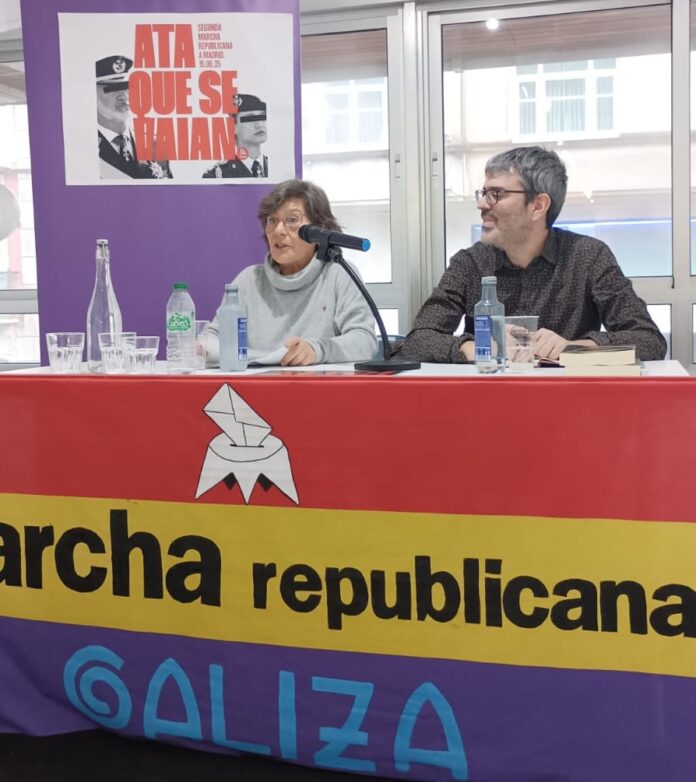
(667, 368)
(420, 577)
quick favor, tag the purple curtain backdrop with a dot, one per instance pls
(203, 235)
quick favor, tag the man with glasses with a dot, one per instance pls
(572, 282)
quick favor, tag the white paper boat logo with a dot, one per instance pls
(245, 453)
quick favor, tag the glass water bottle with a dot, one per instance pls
(103, 313)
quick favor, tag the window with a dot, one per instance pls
(371, 114)
(354, 116)
(693, 128)
(565, 99)
(19, 338)
(576, 82)
(345, 141)
(662, 315)
(19, 321)
(337, 118)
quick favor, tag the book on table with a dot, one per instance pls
(604, 370)
(576, 356)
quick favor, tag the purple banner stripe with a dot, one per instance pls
(516, 724)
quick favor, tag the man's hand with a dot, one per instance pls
(300, 353)
(467, 349)
(548, 344)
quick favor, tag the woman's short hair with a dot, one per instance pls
(541, 171)
(315, 200)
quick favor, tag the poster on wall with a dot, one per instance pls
(177, 98)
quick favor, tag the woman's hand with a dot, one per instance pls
(300, 353)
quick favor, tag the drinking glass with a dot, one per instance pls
(520, 336)
(113, 351)
(201, 344)
(141, 355)
(65, 351)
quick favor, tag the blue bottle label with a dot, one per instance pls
(242, 339)
(482, 337)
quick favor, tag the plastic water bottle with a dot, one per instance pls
(489, 329)
(103, 313)
(181, 330)
(232, 323)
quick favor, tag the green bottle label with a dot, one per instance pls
(179, 322)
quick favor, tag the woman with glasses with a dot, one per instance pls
(309, 308)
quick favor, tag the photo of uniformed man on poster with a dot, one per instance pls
(118, 156)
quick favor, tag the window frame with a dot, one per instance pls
(404, 205)
(21, 301)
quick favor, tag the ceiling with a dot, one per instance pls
(11, 24)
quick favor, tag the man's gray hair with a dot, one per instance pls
(541, 171)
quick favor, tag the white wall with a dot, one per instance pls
(10, 19)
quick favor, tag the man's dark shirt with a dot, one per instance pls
(575, 286)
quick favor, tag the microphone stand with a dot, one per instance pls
(331, 253)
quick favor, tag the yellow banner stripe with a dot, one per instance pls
(480, 588)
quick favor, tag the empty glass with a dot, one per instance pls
(520, 337)
(113, 351)
(201, 344)
(141, 355)
(65, 351)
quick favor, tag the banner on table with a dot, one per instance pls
(515, 590)
(194, 98)
(272, 565)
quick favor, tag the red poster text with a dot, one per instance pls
(164, 46)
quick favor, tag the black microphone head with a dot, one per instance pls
(307, 233)
(314, 234)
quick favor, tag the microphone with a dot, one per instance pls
(329, 245)
(313, 234)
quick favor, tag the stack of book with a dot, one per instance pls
(600, 360)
